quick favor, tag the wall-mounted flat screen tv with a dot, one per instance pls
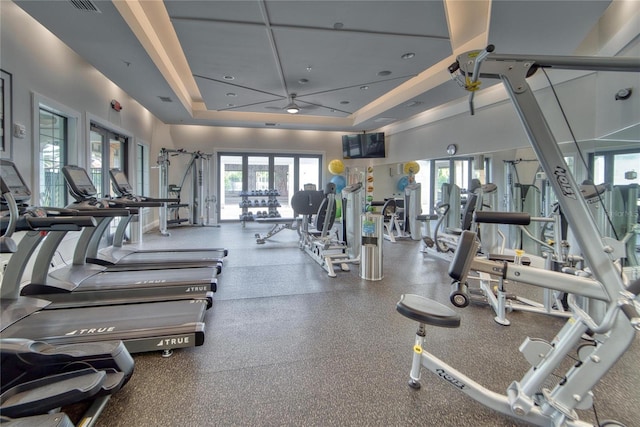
(363, 146)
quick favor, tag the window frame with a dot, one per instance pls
(74, 149)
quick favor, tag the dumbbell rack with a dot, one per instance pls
(259, 199)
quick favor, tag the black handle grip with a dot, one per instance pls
(51, 221)
(515, 218)
(102, 212)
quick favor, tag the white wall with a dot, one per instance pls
(42, 64)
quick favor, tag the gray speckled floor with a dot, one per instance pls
(286, 345)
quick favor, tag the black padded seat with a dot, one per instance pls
(427, 311)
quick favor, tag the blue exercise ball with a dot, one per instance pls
(403, 182)
(340, 182)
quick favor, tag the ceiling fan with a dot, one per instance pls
(292, 107)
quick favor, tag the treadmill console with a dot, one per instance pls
(120, 183)
(80, 185)
(12, 181)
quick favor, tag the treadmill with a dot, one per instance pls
(143, 327)
(116, 257)
(88, 285)
(38, 378)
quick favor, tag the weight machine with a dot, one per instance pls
(322, 242)
(401, 215)
(195, 183)
(445, 239)
(533, 398)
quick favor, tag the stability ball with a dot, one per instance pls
(336, 167)
(403, 182)
(411, 167)
(340, 182)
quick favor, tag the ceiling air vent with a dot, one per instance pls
(85, 5)
(165, 99)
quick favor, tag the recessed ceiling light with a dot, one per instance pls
(303, 81)
(269, 124)
(165, 99)
(231, 94)
(231, 105)
(344, 102)
(408, 55)
(338, 26)
(228, 77)
(413, 103)
(384, 73)
(365, 87)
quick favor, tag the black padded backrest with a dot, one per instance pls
(465, 253)
(469, 208)
(322, 213)
(306, 202)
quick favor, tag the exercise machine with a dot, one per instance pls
(352, 209)
(134, 258)
(445, 239)
(401, 215)
(492, 288)
(196, 179)
(321, 242)
(554, 406)
(393, 219)
(277, 225)
(85, 284)
(38, 378)
(158, 326)
(531, 398)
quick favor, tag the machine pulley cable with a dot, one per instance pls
(580, 153)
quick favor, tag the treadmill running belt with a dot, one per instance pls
(142, 327)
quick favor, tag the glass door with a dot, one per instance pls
(231, 178)
(441, 174)
(108, 150)
(309, 172)
(256, 186)
(283, 177)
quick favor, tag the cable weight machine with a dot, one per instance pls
(192, 194)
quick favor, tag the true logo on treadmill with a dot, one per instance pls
(89, 331)
(166, 342)
(450, 378)
(148, 282)
(197, 289)
(563, 182)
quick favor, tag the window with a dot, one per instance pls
(55, 144)
(617, 167)
(52, 137)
